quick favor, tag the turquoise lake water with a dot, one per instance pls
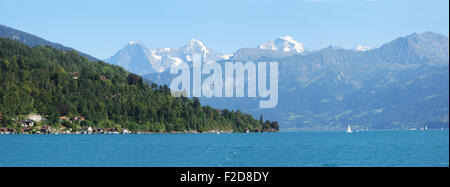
(372, 148)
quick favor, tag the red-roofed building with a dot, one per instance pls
(64, 118)
(75, 75)
(46, 129)
(5, 130)
(81, 118)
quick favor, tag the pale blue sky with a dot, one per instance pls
(102, 27)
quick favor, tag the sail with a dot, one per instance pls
(349, 129)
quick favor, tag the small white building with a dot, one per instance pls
(35, 117)
(126, 131)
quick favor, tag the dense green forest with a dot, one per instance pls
(56, 83)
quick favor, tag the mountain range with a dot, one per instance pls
(137, 58)
(402, 84)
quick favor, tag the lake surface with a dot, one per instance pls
(372, 148)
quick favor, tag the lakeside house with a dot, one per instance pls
(46, 129)
(126, 131)
(26, 130)
(90, 130)
(26, 123)
(86, 130)
(30, 120)
(4, 130)
(105, 131)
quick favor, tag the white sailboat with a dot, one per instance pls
(426, 127)
(349, 129)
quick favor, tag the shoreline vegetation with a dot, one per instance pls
(50, 91)
(8, 131)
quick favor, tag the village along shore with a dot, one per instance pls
(35, 124)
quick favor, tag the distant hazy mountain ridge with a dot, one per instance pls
(32, 40)
(402, 84)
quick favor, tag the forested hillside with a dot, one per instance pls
(55, 83)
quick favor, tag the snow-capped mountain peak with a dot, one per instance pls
(196, 46)
(135, 57)
(195, 42)
(363, 48)
(227, 56)
(133, 43)
(297, 46)
(284, 44)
